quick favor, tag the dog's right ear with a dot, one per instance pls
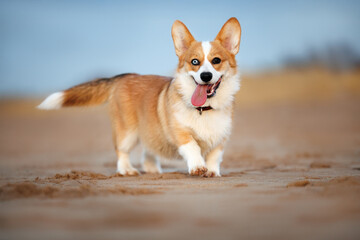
(182, 37)
(229, 35)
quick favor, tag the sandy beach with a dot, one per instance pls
(291, 170)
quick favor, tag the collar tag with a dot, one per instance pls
(201, 109)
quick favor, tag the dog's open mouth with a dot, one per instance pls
(203, 92)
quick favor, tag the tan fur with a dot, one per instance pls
(144, 102)
(90, 93)
(140, 103)
(134, 106)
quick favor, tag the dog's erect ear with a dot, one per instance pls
(182, 37)
(229, 35)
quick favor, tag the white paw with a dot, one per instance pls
(128, 172)
(212, 174)
(151, 168)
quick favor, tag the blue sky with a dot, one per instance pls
(50, 45)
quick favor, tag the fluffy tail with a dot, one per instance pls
(87, 94)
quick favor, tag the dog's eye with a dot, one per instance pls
(195, 62)
(216, 60)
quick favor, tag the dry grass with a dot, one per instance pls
(294, 86)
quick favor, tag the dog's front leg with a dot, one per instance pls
(191, 153)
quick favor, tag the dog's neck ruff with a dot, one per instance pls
(201, 109)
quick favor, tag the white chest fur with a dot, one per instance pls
(212, 127)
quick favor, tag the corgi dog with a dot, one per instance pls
(186, 117)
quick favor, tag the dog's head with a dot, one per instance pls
(207, 71)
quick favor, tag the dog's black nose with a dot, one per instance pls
(206, 76)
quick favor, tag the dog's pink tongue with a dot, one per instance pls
(199, 96)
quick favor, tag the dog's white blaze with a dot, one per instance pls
(206, 66)
(192, 155)
(213, 160)
(206, 46)
(54, 101)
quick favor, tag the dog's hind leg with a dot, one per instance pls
(125, 136)
(123, 147)
(150, 163)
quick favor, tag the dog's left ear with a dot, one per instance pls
(229, 35)
(182, 37)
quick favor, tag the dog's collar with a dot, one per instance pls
(201, 109)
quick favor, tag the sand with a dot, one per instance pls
(291, 170)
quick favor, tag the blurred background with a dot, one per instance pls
(50, 45)
(291, 168)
